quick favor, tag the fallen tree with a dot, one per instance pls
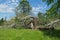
(53, 22)
(49, 26)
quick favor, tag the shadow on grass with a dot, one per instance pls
(51, 33)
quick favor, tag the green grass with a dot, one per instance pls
(27, 34)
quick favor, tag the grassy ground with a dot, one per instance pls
(27, 34)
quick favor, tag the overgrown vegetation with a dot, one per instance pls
(19, 27)
(24, 9)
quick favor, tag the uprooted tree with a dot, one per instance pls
(24, 9)
(22, 12)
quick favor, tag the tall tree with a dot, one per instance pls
(1, 21)
(55, 7)
(24, 7)
(22, 10)
(42, 18)
(56, 2)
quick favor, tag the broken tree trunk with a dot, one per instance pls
(33, 23)
(53, 22)
(49, 26)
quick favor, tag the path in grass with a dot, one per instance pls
(27, 34)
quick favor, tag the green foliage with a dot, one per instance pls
(48, 1)
(58, 3)
(24, 7)
(40, 15)
(1, 21)
(55, 6)
(42, 19)
(22, 10)
(52, 13)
